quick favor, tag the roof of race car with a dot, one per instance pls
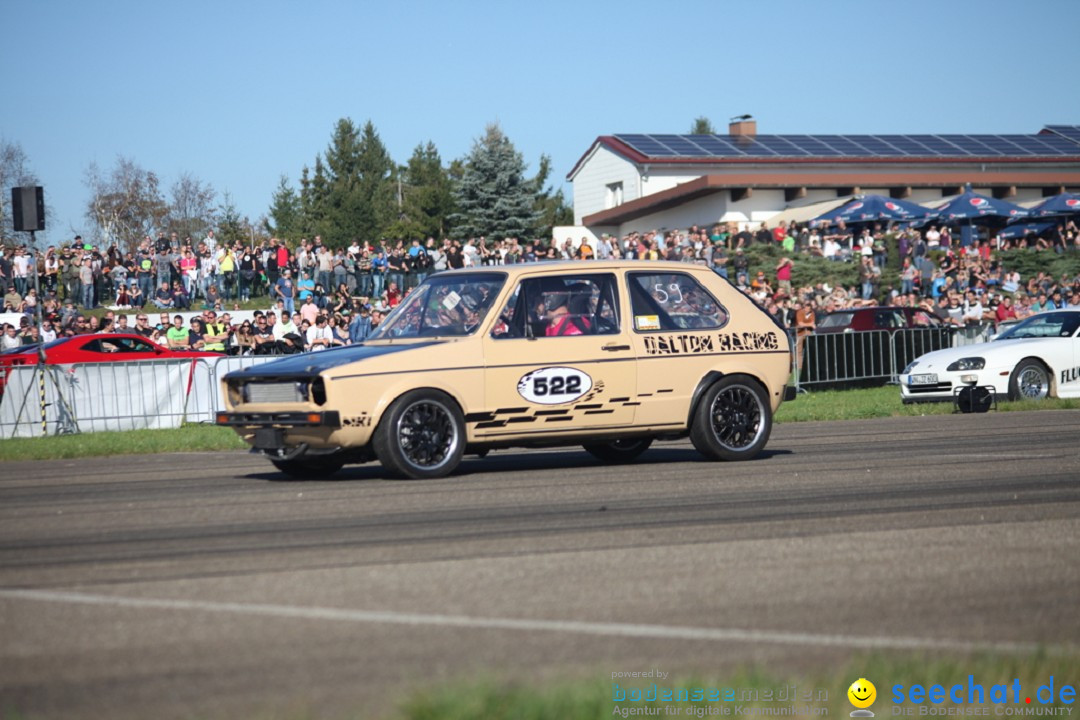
(575, 266)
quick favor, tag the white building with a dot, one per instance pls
(627, 183)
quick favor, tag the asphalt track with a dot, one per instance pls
(207, 585)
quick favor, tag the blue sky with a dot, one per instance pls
(238, 93)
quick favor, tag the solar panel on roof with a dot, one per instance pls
(826, 146)
(781, 145)
(754, 147)
(813, 145)
(843, 145)
(717, 146)
(970, 144)
(1052, 145)
(646, 145)
(942, 146)
(681, 145)
(1069, 132)
(873, 146)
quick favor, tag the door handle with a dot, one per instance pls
(615, 348)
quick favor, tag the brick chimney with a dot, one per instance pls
(743, 127)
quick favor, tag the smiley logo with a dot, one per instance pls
(862, 694)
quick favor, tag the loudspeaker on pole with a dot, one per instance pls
(28, 208)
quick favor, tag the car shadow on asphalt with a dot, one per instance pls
(510, 461)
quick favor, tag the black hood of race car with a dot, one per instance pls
(313, 363)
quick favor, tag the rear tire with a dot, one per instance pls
(1030, 381)
(314, 468)
(421, 436)
(733, 419)
(618, 451)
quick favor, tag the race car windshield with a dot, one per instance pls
(447, 306)
(1044, 325)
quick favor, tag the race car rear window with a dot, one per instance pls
(673, 301)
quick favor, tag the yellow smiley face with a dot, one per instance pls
(862, 693)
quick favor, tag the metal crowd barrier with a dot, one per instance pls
(876, 356)
(97, 397)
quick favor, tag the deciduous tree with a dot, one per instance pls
(14, 172)
(125, 203)
(191, 209)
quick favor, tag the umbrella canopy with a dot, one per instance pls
(872, 208)
(1019, 230)
(973, 206)
(1063, 204)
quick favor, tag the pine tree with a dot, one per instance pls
(374, 201)
(285, 219)
(318, 214)
(343, 205)
(232, 227)
(702, 126)
(551, 205)
(494, 198)
(426, 195)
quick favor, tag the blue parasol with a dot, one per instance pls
(972, 206)
(1063, 204)
(1019, 230)
(872, 208)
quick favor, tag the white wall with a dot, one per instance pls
(659, 180)
(596, 173)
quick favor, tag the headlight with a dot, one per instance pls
(971, 363)
(910, 367)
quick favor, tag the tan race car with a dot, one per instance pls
(607, 355)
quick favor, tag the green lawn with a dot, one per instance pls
(592, 699)
(818, 405)
(190, 438)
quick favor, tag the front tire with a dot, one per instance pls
(421, 436)
(733, 419)
(1030, 381)
(315, 468)
(618, 451)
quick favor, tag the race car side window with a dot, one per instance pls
(559, 306)
(673, 301)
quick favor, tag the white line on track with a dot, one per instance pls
(665, 632)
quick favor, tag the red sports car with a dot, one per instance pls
(99, 347)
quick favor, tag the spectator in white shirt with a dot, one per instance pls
(319, 336)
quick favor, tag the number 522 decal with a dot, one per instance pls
(554, 385)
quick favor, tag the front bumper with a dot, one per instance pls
(949, 383)
(324, 419)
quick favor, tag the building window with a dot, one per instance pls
(614, 195)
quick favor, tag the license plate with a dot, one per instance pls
(269, 438)
(925, 379)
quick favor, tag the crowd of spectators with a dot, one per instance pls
(315, 296)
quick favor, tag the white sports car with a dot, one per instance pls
(1036, 358)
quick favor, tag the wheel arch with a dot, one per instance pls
(1051, 376)
(396, 392)
(708, 380)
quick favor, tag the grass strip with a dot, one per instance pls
(189, 438)
(880, 402)
(857, 404)
(593, 699)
